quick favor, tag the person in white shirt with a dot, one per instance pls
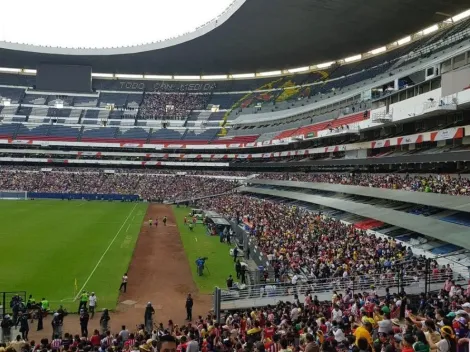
(337, 314)
(92, 304)
(123, 283)
(294, 313)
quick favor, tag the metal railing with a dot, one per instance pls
(357, 284)
(5, 299)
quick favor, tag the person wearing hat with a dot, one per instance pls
(92, 304)
(6, 325)
(148, 317)
(56, 325)
(448, 341)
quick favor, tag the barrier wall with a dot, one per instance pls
(84, 196)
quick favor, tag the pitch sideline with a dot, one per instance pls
(106, 251)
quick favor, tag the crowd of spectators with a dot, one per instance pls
(311, 245)
(444, 184)
(154, 171)
(352, 322)
(148, 186)
(172, 105)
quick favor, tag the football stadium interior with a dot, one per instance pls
(285, 160)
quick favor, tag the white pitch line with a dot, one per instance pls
(128, 227)
(106, 251)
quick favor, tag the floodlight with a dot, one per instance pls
(353, 58)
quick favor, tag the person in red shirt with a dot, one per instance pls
(130, 342)
(407, 343)
(183, 343)
(95, 339)
(269, 331)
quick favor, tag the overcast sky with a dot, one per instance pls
(103, 23)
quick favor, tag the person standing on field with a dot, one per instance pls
(92, 304)
(84, 317)
(123, 283)
(189, 307)
(150, 222)
(148, 317)
(164, 220)
(104, 321)
(83, 300)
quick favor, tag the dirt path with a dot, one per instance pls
(159, 272)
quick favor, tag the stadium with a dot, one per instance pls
(287, 176)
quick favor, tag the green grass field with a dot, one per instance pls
(47, 244)
(196, 243)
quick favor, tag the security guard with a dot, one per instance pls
(44, 306)
(83, 300)
(31, 302)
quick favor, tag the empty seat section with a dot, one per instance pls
(116, 114)
(193, 116)
(201, 135)
(54, 112)
(32, 131)
(285, 134)
(225, 101)
(236, 139)
(216, 116)
(116, 99)
(8, 130)
(64, 100)
(85, 102)
(24, 110)
(165, 134)
(39, 111)
(458, 218)
(19, 118)
(445, 249)
(14, 95)
(99, 134)
(134, 100)
(35, 99)
(63, 133)
(133, 134)
(91, 114)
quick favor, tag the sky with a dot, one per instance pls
(103, 23)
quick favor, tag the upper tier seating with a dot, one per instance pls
(63, 133)
(342, 121)
(201, 135)
(35, 99)
(132, 134)
(165, 134)
(98, 134)
(119, 100)
(32, 131)
(236, 139)
(8, 130)
(86, 102)
(13, 94)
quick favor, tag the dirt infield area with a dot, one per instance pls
(159, 272)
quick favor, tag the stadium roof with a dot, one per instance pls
(444, 201)
(262, 35)
(441, 230)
